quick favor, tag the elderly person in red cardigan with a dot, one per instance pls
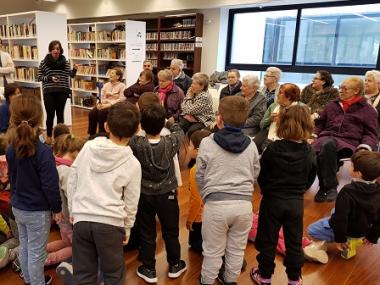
(345, 126)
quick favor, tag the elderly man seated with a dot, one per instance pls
(234, 84)
(345, 126)
(181, 79)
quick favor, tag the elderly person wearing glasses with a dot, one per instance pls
(234, 84)
(197, 106)
(271, 86)
(345, 126)
(256, 102)
(181, 79)
(372, 90)
(319, 93)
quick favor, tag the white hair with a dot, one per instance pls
(375, 74)
(177, 62)
(252, 80)
(275, 71)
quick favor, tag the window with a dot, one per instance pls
(301, 39)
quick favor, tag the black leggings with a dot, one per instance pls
(54, 103)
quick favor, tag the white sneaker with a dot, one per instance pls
(316, 251)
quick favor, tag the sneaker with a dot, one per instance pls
(65, 272)
(316, 251)
(222, 281)
(16, 267)
(256, 277)
(295, 282)
(149, 275)
(201, 282)
(321, 196)
(352, 245)
(331, 194)
(176, 270)
(4, 256)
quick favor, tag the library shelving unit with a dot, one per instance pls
(26, 37)
(169, 37)
(96, 48)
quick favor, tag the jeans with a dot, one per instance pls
(321, 230)
(33, 228)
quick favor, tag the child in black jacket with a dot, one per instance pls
(357, 208)
(288, 169)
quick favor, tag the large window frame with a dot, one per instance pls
(294, 67)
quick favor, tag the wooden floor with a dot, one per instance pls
(362, 269)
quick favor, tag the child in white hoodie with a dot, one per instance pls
(103, 193)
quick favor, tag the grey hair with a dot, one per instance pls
(374, 73)
(201, 79)
(252, 80)
(165, 74)
(235, 71)
(275, 71)
(177, 62)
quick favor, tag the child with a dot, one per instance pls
(103, 193)
(34, 184)
(356, 218)
(283, 190)
(59, 130)
(67, 148)
(194, 219)
(158, 192)
(227, 167)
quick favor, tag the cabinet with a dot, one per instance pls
(169, 37)
(98, 47)
(26, 37)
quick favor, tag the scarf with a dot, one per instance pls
(162, 92)
(347, 103)
(59, 63)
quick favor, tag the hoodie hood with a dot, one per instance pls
(364, 194)
(106, 155)
(232, 139)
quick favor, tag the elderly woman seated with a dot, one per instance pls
(372, 90)
(319, 93)
(256, 102)
(144, 84)
(288, 95)
(112, 92)
(345, 126)
(234, 84)
(271, 84)
(171, 96)
(197, 106)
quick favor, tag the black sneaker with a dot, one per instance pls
(65, 272)
(149, 275)
(176, 270)
(331, 194)
(321, 196)
(223, 282)
(201, 282)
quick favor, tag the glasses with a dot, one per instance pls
(344, 88)
(317, 78)
(266, 75)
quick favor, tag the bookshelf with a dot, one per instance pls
(169, 37)
(26, 37)
(96, 48)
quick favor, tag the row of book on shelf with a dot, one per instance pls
(24, 52)
(154, 61)
(77, 36)
(151, 36)
(82, 53)
(111, 53)
(177, 35)
(152, 47)
(177, 46)
(18, 30)
(90, 69)
(88, 85)
(111, 35)
(26, 73)
(74, 36)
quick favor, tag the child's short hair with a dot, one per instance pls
(123, 119)
(233, 110)
(146, 99)
(153, 119)
(368, 163)
(67, 143)
(295, 123)
(60, 129)
(198, 136)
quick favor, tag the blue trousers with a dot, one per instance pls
(321, 230)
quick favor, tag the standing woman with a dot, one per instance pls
(112, 92)
(54, 72)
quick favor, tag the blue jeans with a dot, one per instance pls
(33, 228)
(321, 230)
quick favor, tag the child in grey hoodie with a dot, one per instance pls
(228, 166)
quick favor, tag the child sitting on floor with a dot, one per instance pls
(356, 218)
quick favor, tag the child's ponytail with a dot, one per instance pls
(25, 140)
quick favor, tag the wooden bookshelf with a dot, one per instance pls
(169, 37)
